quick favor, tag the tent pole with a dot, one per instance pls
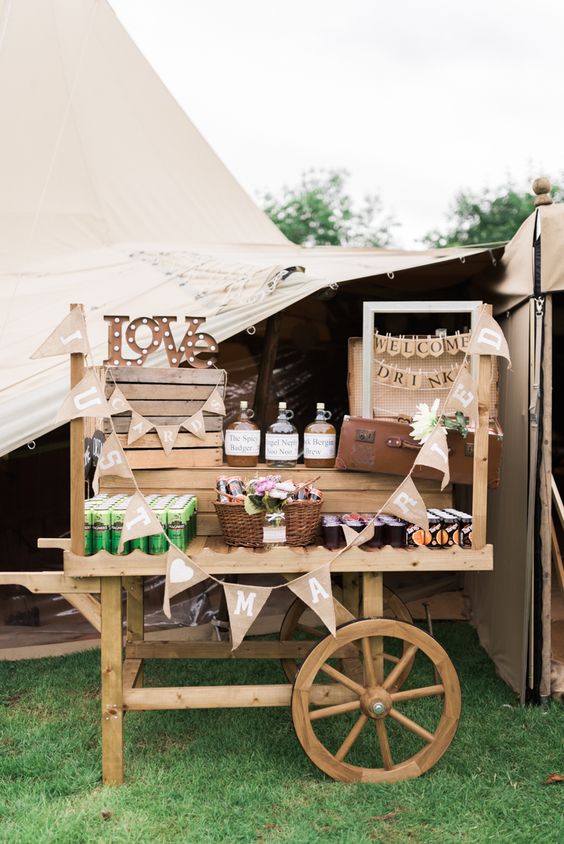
(77, 460)
(266, 368)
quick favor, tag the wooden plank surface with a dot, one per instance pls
(49, 582)
(183, 440)
(182, 392)
(177, 459)
(61, 542)
(165, 374)
(154, 409)
(87, 605)
(111, 659)
(229, 697)
(77, 459)
(122, 423)
(329, 479)
(218, 559)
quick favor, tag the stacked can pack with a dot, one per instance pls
(464, 526)
(181, 520)
(102, 523)
(104, 517)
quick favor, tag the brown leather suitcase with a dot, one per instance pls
(385, 445)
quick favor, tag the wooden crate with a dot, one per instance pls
(167, 396)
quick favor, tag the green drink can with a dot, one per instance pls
(117, 515)
(101, 521)
(87, 528)
(177, 522)
(157, 542)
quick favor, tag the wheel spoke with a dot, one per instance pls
(411, 725)
(391, 658)
(382, 734)
(400, 666)
(341, 678)
(313, 631)
(351, 737)
(337, 709)
(413, 694)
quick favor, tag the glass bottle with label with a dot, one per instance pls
(281, 450)
(242, 439)
(320, 439)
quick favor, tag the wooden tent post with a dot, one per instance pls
(76, 460)
(268, 360)
(481, 447)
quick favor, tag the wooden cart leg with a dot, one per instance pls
(373, 607)
(135, 619)
(351, 593)
(112, 681)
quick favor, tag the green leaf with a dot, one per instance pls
(252, 507)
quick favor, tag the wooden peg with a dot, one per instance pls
(541, 187)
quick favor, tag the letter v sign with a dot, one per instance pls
(194, 344)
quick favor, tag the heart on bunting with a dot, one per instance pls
(181, 573)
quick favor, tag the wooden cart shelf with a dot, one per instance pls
(215, 557)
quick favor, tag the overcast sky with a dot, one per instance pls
(415, 99)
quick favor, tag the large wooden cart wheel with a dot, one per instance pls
(294, 626)
(371, 731)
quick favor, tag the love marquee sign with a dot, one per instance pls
(197, 347)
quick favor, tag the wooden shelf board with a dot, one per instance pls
(216, 558)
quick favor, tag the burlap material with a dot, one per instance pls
(434, 453)
(488, 338)
(181, 573)
(86, 399)
(138, 427)
(406, 503)
(463, 396)
(244, 604)
(215, 403)
(167, 435)
(139, 520)
(112, 461)
(195, 425)
(314, 589)
(69, 336)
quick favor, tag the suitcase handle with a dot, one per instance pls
(398, 442)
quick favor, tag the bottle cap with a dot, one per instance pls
(320, 405)
(244, 405)
(281, 405)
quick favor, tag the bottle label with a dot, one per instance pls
(242, 443)
(281, 447)
(319, 446)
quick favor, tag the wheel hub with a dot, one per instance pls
(376, 702)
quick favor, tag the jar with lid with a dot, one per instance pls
(242, 439)
(281, 447)
(320, 440)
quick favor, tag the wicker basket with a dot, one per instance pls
(302, 519)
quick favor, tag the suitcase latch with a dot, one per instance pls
(365, 435)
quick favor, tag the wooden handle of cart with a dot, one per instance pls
(77, 460)
(481, 447)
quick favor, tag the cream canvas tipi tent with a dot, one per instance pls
(111, 197)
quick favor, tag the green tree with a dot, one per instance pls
(491, 216)
(320, 211)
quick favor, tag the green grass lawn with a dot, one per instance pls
(240, 775)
